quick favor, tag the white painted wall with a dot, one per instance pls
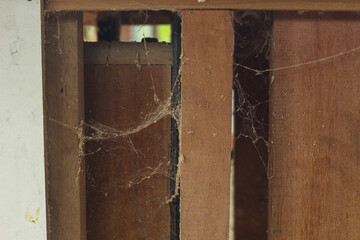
(22, 180)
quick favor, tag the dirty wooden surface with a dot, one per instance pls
(64, 112)
(315, 128)
(128, 53)
(128, 173)
(336, 5)
(207, 75)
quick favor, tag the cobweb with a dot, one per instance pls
(251, 89)
(252, 46)
(252, 76)
(128, 143)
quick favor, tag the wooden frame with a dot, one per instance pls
(118, 5)
(191, 130)
(64, 115)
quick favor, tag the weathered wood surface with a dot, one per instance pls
(64, 113)
(128, 172)
(315, 128)
(103, 5)
(116, 53)
(207, 75)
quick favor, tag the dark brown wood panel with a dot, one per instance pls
(335, 5)
(315, 128)
(128, 156)
(117, 53)
(205, 143)
(64, 113)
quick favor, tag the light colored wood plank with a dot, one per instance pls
(128, 171)
(64, 113)
(315, 128)
(116, 53)
(335, 5)
(205, 142)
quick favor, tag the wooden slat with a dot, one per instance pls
(335, 5)
(116, 53)
(128, 175)
(205, 124)
(64, 112)
(315, 128)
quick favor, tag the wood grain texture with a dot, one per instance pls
(64, 112)
(128, 173)
(207, 75)
(335, 5)
(116, 53)
(315, 128)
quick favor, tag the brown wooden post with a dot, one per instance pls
(315, 127)
(64, 113)
(207, 75)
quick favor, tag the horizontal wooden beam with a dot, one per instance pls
(113, 5)
(121, 53)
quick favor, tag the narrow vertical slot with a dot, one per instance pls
(175, 109)
(251, 110)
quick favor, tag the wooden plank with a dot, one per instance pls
(102, 5)
(128, 175)
(116, 53)
(314, 150)
(64, 113)
(205, 143)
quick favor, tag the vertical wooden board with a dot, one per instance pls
(64, 113)
(315, 128)
(207, 74)
(128, 153)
